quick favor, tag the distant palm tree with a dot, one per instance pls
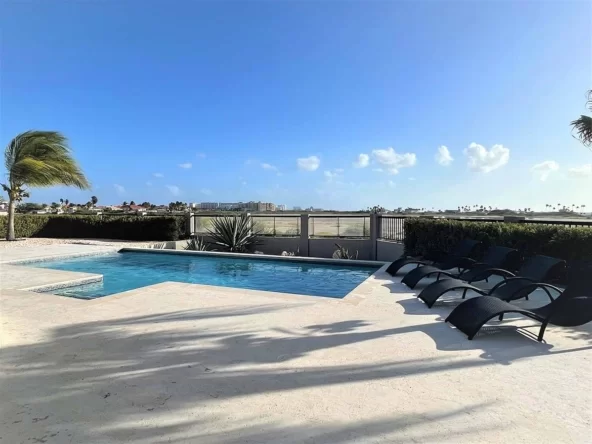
(94, 200)
(38, 159)
(583, 125)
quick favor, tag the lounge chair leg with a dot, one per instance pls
(526, 297)
(486, 279)
(501, 317)
(464, 292)
(438, 277)
(542, 332)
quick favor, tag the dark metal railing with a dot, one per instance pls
(391, 228)
(388, 227)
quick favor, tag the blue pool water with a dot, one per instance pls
(128, 270)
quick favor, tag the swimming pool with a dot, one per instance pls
(129, 270)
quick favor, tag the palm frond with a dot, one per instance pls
(42, 159)
(583, 129)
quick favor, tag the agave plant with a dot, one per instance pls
(196, 243)
(343, 253)
(234, 233)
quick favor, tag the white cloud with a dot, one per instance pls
(119, 189)
(411, 178)
(544, 169)
(185, 165)
(148, 184)
(331, 175)
(205, 191)
(443, 156)
(391, 184)
(392, 161)
(581, 171)
(362, 162)
(174, 189)
(244, 182)
(201, 155)
(159, 175)
(480, 159)
(310, 163)
(267, 166)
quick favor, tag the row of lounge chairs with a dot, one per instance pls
(458, 270)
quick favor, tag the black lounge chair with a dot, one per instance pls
(455, 258)
(494, 257)
(572, 307)
(536, 269)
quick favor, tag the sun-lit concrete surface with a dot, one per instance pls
(41, 252)
(188, 363)
(19, 277)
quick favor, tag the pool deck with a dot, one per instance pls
(187, 363)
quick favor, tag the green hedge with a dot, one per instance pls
(425, 235)
(138, 228)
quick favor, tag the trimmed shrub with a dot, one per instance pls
(427, 235)
(140, 228)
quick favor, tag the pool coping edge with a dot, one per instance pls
(321, 260)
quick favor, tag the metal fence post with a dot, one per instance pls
(373, 235)
(188, 226)
(303, 235)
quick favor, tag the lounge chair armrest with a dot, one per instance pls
(508, 280)
(501, 272)
(466, 263)
(545, 287)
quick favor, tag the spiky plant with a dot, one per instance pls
(343, 253)
(234, 233)
(38, 159)
(583, 125)
(196, 243)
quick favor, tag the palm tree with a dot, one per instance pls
(583, 125)
(94, 200)
(38, 159)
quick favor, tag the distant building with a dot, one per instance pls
(228, 206)
(260, 206)
(209, 205)
(280, 207)
(297, 208)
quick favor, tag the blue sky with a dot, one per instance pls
(218, 101)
